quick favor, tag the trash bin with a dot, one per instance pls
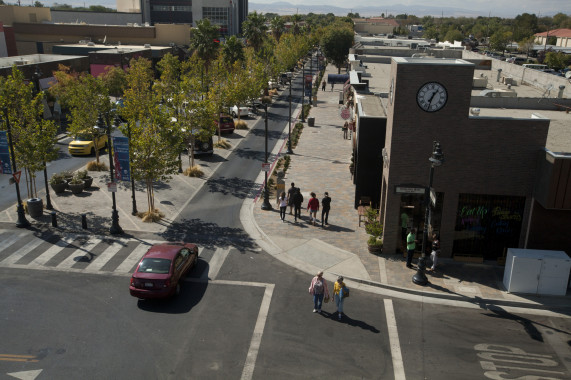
(311, 121)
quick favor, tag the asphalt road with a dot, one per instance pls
(243, 314)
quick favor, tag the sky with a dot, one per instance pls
(482, 7)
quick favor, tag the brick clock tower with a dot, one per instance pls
(428, 101)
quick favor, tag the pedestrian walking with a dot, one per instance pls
(325, 207)
(340, 292)
(313, 207)
(297, 201)
(410, 247)
(282, 203)
(345, 129)
(290, 193)
(435, 251)
(318, 289)
(323, 86)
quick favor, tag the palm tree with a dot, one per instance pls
(255, 30)
(296, 19)
(277, 24)
(233, 50)
(204, 40)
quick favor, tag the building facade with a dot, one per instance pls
(482, 195)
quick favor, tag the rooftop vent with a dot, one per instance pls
(147, 46)
(90, 43)
(475, 111)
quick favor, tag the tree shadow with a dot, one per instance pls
(207, 234)
(237, 187)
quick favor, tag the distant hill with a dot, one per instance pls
(285, 8)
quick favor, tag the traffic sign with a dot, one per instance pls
(112, 187)
(17, 176)
(266, 167)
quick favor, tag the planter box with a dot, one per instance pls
(87, 182)
(75, 188)
(59, 188)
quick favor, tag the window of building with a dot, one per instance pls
(218, 16)
(486, 225)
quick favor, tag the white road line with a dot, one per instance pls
(383, 270)
(215, 263)
(51, 251)
(104, 257)
(250, 363)
(81, 250)
(11, 240)
(398, 365)
(30, 246)
(133, 258)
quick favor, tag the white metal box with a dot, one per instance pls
(536, 271)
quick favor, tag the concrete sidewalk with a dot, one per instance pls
(321, 163)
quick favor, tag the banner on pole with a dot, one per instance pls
(121, 159)
(5, 165)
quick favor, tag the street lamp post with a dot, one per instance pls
(302, 93)
(22, 221)
(266, 204)
(117, 122)
(289, 151)
(36, 78)
(436, 159)
(115, 227)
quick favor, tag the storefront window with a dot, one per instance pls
(486, 225)
(412, 213)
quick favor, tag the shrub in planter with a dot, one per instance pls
(76, 185)
(58, 183)
(375, 244)
(87, 180)
(241, 124)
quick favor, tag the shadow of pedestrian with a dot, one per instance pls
(349, 321)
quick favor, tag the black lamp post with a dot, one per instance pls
(436, 159)
(117, 123)
(22, 221)
(266, 204)
(115, 227)
(289, 151)
(302, 93)
(36, 78)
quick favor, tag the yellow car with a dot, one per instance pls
(83, 145)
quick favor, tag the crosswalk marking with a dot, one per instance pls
(51, 252)
(81, 250)
(9, 241)
(132, 259)
(29, 246)
(104, 257)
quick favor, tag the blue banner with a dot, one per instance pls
(5, 166)
(121, 159)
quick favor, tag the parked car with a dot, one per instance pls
(82, 145)
(225, 124)
(160, 270)
(204, 147)
(242, 110)
(286, 77)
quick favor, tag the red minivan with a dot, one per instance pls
(225, 124)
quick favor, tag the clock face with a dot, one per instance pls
(431, 97)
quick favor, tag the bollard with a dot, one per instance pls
(84, 221)
(54, 219)
(499, 75)
(561, 89)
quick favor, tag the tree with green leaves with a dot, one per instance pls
(232, 50)
(278, 27)
(255, 30)
(336, 43)
(86, 97)
(295, 21)
(115, 80)
(33, 137)
(453, 35)
(205, 41)
(526, 45)
(154, 147)
(500, 39)
(557, 60)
